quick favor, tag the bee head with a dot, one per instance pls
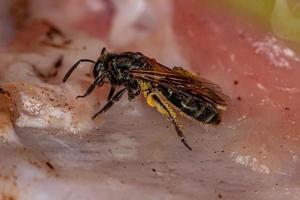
(99, 67)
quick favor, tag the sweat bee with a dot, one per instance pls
(165, 89)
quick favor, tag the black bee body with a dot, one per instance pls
(118, 67)
(197, 109)
(121, 64)
(135, 73)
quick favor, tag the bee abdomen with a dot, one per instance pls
(209, 115)
(199, 110)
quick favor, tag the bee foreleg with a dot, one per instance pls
(111, 102)
(90, 89)
(168, 112)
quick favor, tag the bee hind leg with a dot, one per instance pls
(168, 112)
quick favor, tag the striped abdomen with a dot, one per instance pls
(201, 110)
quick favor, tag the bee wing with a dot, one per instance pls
(183, 74)
(186, 83)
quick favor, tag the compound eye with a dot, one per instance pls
(97, 69)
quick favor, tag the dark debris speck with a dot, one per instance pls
(287, 108)
(58, 62)
(49, 165)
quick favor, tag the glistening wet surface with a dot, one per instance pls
(51, 149)
(136, 160)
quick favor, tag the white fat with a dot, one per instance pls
(124, 148)
(30, 105)
(279, 55)
(250, 161)
(7, 131)
(44, 106)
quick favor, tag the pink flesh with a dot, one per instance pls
(221, 47)
(252, 154)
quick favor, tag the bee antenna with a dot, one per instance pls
(103, 50)
(74, 67)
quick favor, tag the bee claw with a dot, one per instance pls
(98, 113)
(80, 96)
(185, 144)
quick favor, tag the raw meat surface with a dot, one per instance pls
(51, 149)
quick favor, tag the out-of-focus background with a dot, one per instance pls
(51, 149)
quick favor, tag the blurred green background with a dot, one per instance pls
(283, 16)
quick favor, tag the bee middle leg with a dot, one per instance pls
(111, 102)
(154, 100)
(111, 92)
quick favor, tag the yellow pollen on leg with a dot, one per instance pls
(167, 111)
(153, 103)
